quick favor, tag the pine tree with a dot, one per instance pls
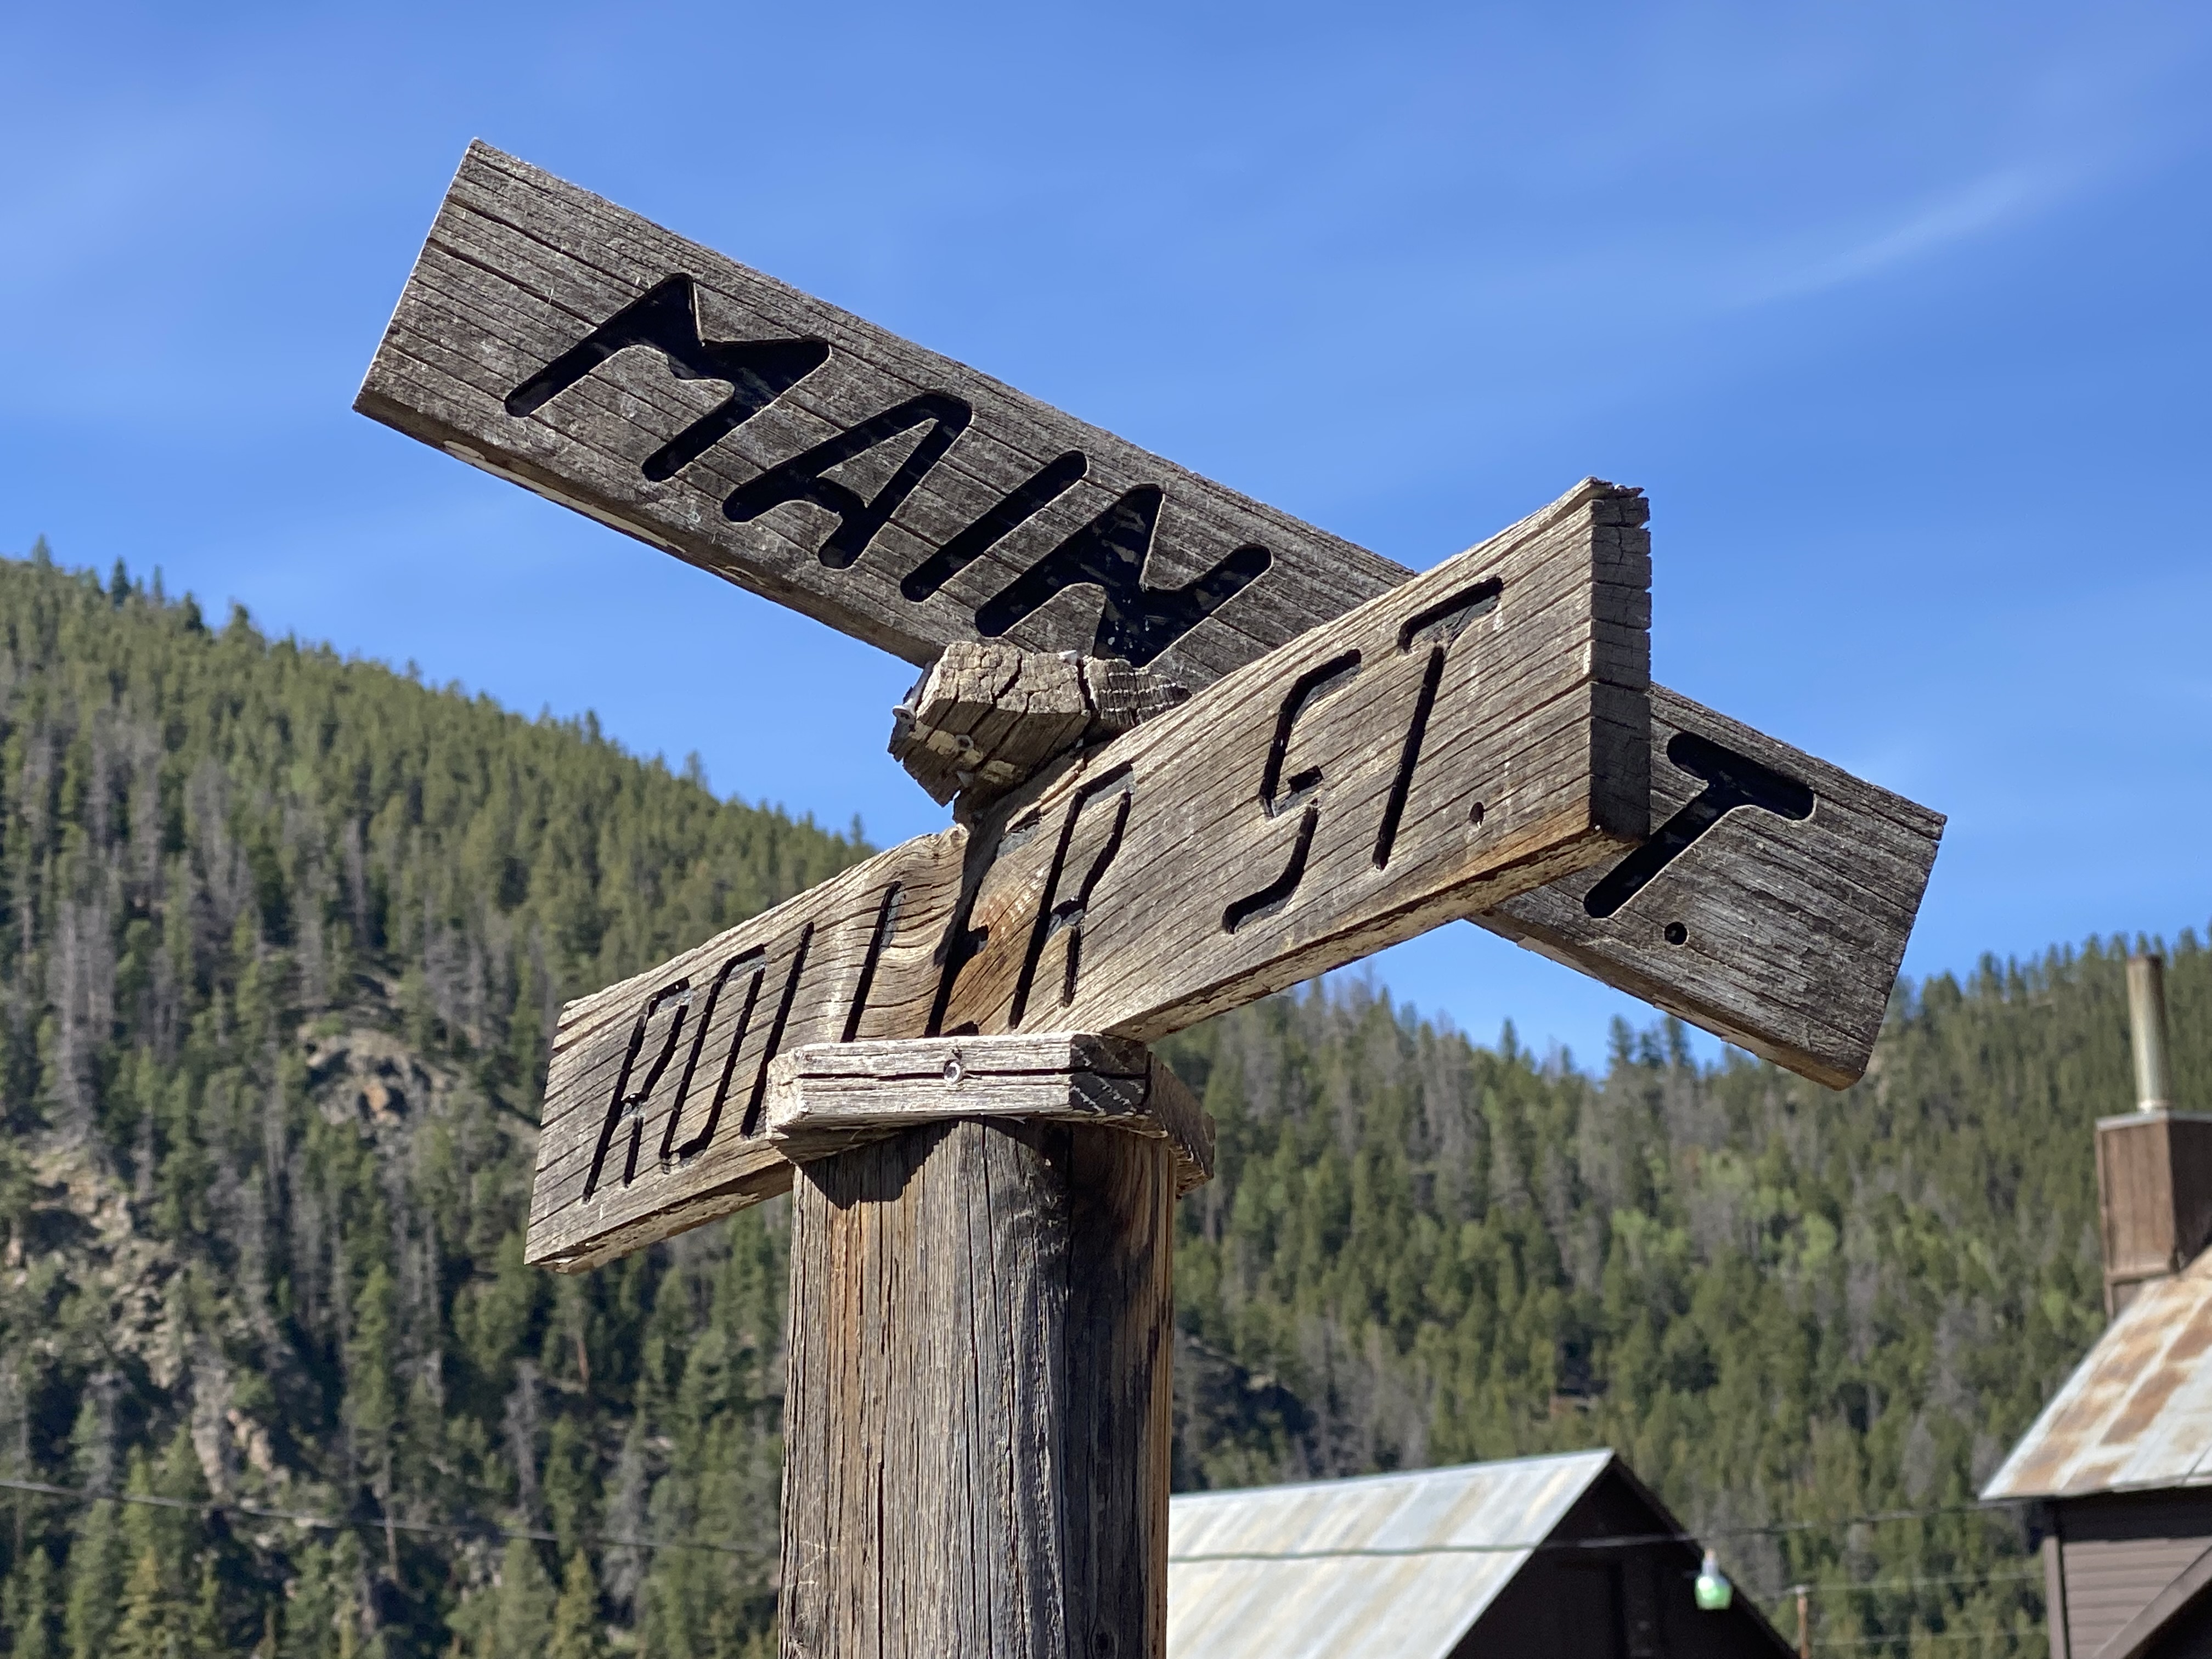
(521, 1622)
(207, 1637)
(95, 1582)
(577, 1631)
(372, 1395)
(28, 1608)
(315, 1618)
(147, 1627)
(95, 1562)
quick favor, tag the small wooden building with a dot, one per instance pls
(1537, 1556)
(2119, 1464)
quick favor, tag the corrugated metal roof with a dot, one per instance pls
(2137, 1412)
(1353, 1566)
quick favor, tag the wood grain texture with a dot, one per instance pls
(521, 267)
(1314, 806)
(1782, 935)
(1472, 731)
(656, 1094)
(829, 1097)
(2153, 1196)
(987, 716)
(521, 270)
(976, 1419)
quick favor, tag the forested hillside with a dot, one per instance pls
(285, 935)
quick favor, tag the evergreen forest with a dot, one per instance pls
(286, 934)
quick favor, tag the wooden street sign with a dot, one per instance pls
(656, 1094)
(1770, 905)
(1458, 740)
(556, 340)
(950, 1036)
(550, 338)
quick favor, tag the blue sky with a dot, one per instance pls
(1899, 311)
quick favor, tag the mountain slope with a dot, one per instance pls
(285, 935)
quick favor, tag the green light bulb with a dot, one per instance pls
(1713, 1590)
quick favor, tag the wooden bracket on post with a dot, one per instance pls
(988, 716)
(977, 1419)
(830, 1097)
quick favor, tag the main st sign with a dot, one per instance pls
(1481, 741)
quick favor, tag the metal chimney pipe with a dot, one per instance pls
(2147, 1021)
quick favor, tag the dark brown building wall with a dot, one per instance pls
(2117, 1554)
(2189, 1637)
(2109, 1582)
(1615, 1602)
(1571, 1607)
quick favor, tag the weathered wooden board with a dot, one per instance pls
(1351, 789)
(544, 335)
(796, 450)
(1793, 960)
(1459, 741)
(829, 1097)
(1770, 905)
(656, 1096)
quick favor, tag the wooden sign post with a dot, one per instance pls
(1199, 751)
(977, 1421)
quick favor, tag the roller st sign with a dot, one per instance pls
(1454, 741)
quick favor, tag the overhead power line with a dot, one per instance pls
(1617, 1540)
(1924, 1584)
(374, 1523)
(1991, 1635)
(489, 1530)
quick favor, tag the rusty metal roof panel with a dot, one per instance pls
(2136, 1413)
(1399, 1564)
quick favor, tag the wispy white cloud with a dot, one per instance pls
(1834, 257)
